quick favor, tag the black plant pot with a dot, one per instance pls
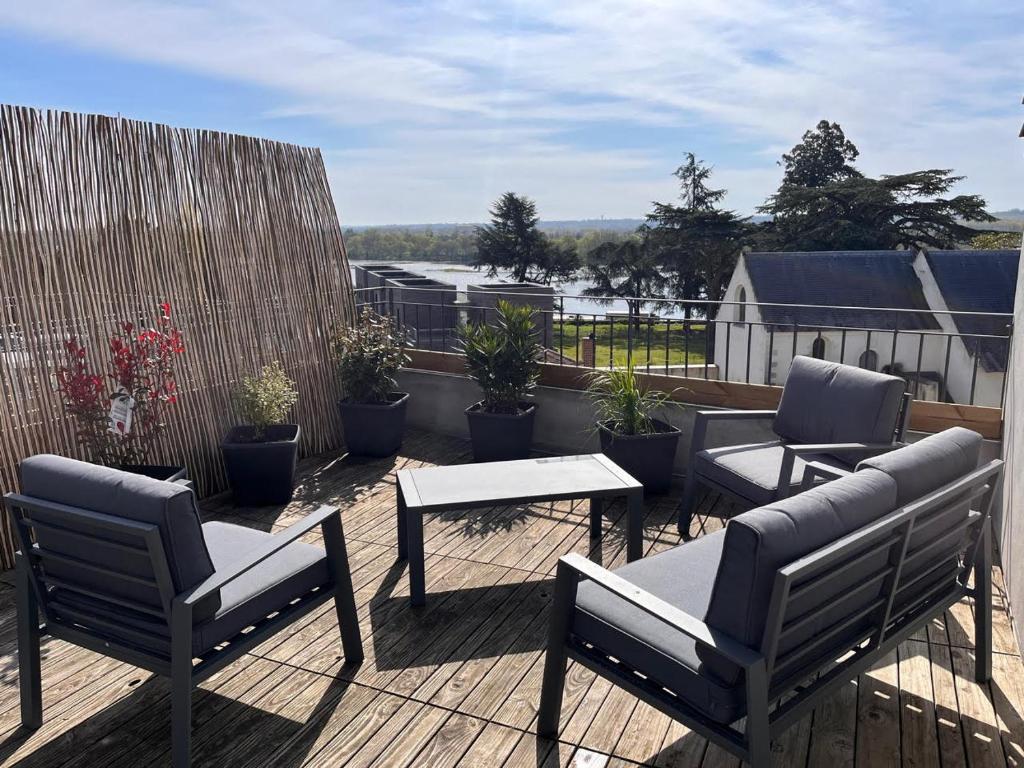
(648, 458)
(261, 472)
(157, 471)
(374, 429)
(501, 436)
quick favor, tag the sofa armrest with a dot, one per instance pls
(579, 567)
(700, 423)
(251, 559)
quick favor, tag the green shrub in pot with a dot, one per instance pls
(261, 453)
(369, 355)
(503, 358)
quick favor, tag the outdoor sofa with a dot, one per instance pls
(122, 565)
(830, 413)
(793, 599)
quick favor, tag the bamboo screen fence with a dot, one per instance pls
(101, 219)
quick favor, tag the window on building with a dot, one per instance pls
(818, 348)
(868, 360)
(741, 297)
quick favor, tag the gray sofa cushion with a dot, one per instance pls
(759, 542)
(269, 587)
(825, 402)
(266, 588)
(682, 576)
(169, 506)
(929, 464)
(752, 471)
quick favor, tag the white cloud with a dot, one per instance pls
(468, 98)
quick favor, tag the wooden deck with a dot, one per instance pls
(456, 683)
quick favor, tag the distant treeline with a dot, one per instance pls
(457, 246)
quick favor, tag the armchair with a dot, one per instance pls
(830, 414)
(121, 564)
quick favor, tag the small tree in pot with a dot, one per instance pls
(630, 435)
(261, 453)
(502, 357)
(369, 355)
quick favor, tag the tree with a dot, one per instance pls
(513, 243)
(990, 241)
(823, 156)
(628, 270)
(824, 203)
(696, 243)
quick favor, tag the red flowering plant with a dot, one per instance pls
(120, 414)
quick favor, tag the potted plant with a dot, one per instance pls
(369, 355)
(261, 453)
(502, 358)
(630, 435)
(120, 413)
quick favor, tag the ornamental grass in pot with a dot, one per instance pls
(630, 434)
(502, 357)
(369, 355)
(260, 454)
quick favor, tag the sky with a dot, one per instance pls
(426, 111)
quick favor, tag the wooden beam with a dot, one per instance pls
(925, 416)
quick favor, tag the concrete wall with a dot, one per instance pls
(1011, 530)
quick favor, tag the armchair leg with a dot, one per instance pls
(983, 605)
(555, 660)
(686, 504)
(344, 596)
(29, 674)
(181, 714)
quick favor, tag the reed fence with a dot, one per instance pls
(102, 218)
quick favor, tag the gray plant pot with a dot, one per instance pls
(501, 436)
(374, 429)
(648, 458)
(261, 473)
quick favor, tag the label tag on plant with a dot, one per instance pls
(121, 406)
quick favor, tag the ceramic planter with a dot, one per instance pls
(374, 429)
(261, 472)
(648, 458)
(501, 436)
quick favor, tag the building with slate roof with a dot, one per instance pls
(943, 356)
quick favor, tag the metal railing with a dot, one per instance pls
(730, 340)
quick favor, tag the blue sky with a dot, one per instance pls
(427, 111)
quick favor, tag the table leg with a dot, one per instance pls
(596, 512)
(634, 526)
(403, 542)
(414, 537)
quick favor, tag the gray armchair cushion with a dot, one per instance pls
(825, 402)
(268, 587)
(684, 577)
(759, 542)
(169, 506)
(929, 464)
(752, 471)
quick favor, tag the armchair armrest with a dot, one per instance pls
(815, 469)
(730, 648)
(790, 452)
(700, 423)
(256, 556)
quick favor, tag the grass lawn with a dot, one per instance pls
(613, 341)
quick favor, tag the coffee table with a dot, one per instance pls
(465, 486)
